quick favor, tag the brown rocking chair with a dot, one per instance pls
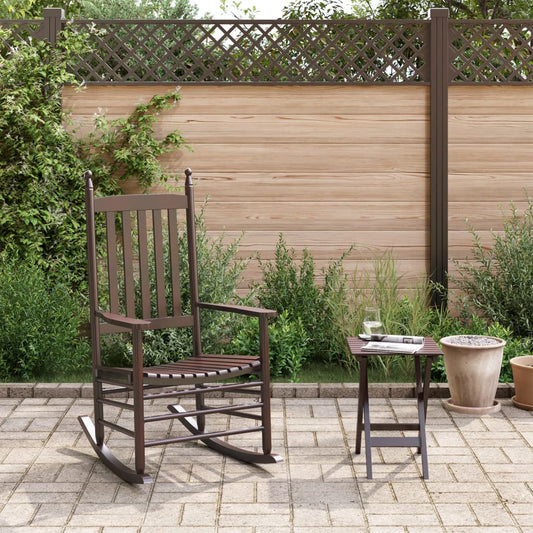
(128, 280)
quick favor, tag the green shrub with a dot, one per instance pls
(498, 282)
(39, 323)
(400, 314)
(288, 344)
(41, 190)
(289, 285)
(42, 163)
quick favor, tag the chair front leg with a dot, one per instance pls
(265, 386)
(138, 401)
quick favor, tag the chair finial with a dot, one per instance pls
(88, 175)
(188, 177)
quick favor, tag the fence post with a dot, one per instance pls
(439, 150)
(52, 23)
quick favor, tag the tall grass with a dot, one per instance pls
(401, 314)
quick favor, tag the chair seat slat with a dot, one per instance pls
(202, 366)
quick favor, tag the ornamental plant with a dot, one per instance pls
(497, 283)
(41, 191)
(42, 162)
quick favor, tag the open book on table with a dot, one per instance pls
(391, 347)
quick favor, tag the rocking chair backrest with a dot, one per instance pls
(141, 267)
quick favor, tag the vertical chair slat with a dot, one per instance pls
(174, 260)
(112, 263)
(129, 283)
(159, 264)
(143, 264)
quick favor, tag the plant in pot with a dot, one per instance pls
(473, 364)
(522, 368)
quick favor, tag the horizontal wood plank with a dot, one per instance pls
(325, 245)
(259, 186)
(500, 188)
(490, 100)
(239, 99)
(290, 129)
(308, 215)
(490, 129)
(409, 272)
(488, 158)
(321, 158)
(480, 215)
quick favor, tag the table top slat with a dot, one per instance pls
(355, 344)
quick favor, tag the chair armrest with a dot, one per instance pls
(121, 320)
(240, 309)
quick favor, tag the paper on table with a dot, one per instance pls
(382, 337)
(392, 347)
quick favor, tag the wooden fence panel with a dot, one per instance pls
(326, 166)
(331, 166)
(490, 155)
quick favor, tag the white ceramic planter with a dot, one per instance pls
(473, 364)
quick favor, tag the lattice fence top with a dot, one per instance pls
(22, 30)
(278, 51)
(299, 52)
(491, 51)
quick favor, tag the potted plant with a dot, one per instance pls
(522, 368)
(473, 364)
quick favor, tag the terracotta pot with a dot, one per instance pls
(473, 370)
(523, 381)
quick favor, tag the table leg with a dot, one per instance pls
(363, 416)
(422, 390)
(360, 403)
(367, 426)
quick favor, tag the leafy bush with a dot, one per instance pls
(400, 314)
(42, 163)
(292, 288)
(39, 323)
(288, 344)
(41, 191)
(498, 282)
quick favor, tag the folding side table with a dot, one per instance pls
(430, 351)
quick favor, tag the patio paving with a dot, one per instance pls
(481, 475)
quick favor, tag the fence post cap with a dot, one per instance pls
(435, 12)
(53, 12)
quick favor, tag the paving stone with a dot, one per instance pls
(350, 390)
(283, 390)
(439, 390)
(379, 390)
(20, 390)
(330, 390)
(46, 390)
(402, 390)
(456, 514)
(50, 480)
